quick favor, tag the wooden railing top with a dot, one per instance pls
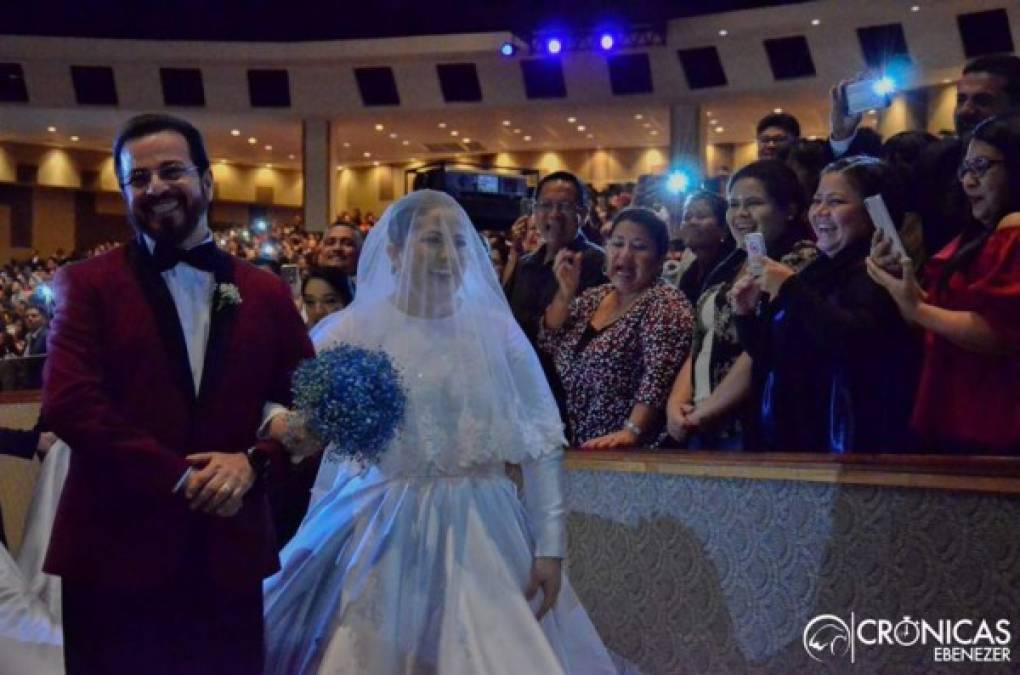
(21, 396)
(944, 472)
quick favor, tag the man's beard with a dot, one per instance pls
(174, 227)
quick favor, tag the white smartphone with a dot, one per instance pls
(755, 243)
(881, 219)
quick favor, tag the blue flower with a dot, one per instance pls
(353, 398)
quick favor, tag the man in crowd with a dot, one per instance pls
(340, 248)
(989, 85)
(776, 134)
(36, 323)
(161, 363)
(560, 206)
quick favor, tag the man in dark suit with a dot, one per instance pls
(36, 322)
(163, 355)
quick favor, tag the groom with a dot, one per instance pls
(163, 354)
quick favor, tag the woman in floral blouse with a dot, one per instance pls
(618, 347)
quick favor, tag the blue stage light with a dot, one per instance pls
(553, 45)
(607, 41)
(507, 49)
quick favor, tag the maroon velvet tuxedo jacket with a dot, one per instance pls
(118, 389)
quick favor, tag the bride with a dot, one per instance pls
(429, 562)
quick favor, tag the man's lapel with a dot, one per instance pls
(168, 323)
(221, 325)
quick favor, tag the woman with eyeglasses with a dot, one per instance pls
(969, 306)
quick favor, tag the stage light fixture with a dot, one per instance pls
(607, 41)
(507, 49)
(553, 45)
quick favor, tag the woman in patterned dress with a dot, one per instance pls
(617, 347)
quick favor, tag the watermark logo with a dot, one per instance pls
(827, 638)
(830, 638)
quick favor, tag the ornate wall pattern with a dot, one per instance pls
(704, 575)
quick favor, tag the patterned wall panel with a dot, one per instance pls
(703, 575)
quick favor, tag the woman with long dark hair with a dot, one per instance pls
(969, 306)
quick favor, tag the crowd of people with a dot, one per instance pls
(658, 329)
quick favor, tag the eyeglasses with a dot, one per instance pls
(168, 173)
(978, 167)
(567, 209)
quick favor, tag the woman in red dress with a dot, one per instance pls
(969, 396)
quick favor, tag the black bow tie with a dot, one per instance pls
(202, 257)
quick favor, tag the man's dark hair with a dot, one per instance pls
(1006, 66)
(782, 187)
(148, 124)
(784, 121)
(568, 177)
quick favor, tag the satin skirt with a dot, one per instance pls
(420, 574)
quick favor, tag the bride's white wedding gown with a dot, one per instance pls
(419, 564)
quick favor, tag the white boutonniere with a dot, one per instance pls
(227, 295)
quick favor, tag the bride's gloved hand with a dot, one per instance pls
(547, 574)
(543, 500)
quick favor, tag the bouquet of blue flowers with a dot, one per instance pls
(352, 398)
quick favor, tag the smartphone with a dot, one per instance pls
(292, 276)
(755, 243)
(883, 221)
(861, 97)
(527, 206)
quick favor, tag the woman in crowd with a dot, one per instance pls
(969, 306)
(705, 404)
(325, 290)
(902, 152)
(706, 235)
(834, 365)
(618, 346)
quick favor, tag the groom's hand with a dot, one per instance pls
(546, 573)
(219, 481)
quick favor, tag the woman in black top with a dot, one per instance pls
(834, 365)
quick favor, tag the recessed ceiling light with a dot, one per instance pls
(454, 132)
(646, 125)
(581, 127)
(915, 8)
(290, 156)
(816, 22)
(442, 125)
(393, 135)
(872, 112)
(719, 130)
(346, 144)
(375, 163)
(946, 81)
(638, 116)
(506, 123)
(269, 166)
(223, 161)
(777, 110)
(527, 138)
(405, 142)
(708, 113)
(235, 132)
(812, 138)
(339, 167)
(269, 147)
(252, 140)
(517, 131)
(724, 32)
(51, 129)
(379, 127)
(571, 120)
(74, 139)
(467, 140)
(654, 132)
(591, 135)
(367, 154)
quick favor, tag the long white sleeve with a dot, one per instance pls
(543, 501)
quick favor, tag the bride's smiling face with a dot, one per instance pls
(434, 254)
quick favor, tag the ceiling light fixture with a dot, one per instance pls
(252, 140)
(235, 132)
(724, 32)
(379, 127)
